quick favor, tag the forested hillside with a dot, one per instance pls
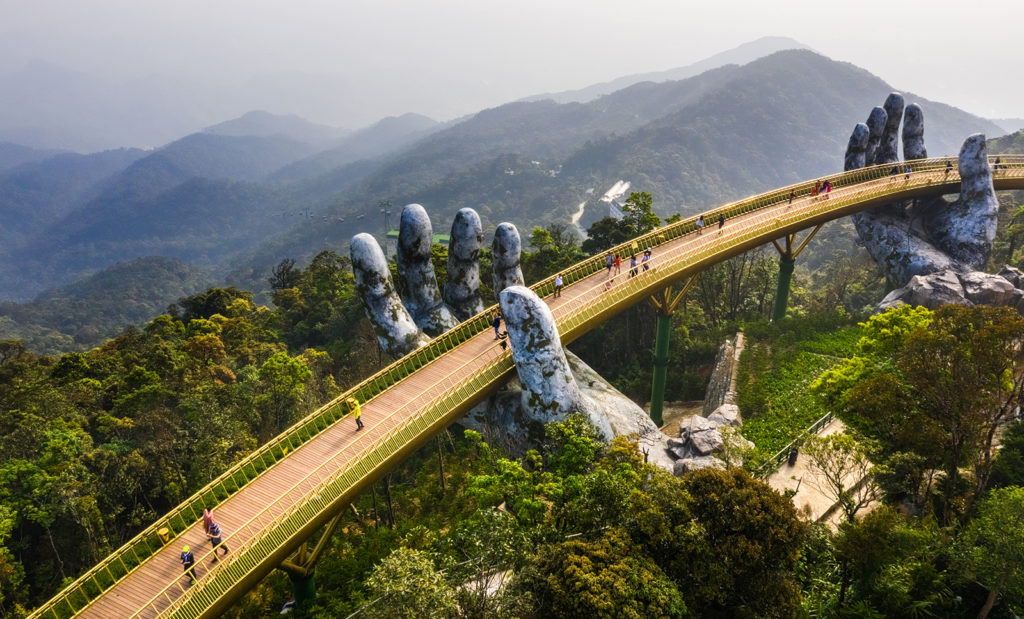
(96, 308)
(12, 155)
(35, 195)
(237, 205)
(693, 144)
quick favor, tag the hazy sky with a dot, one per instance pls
(490, 51)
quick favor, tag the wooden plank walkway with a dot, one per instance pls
(275, 491)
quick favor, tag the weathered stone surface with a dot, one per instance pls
(876, 126)
(462, 287)
(396, 331)
(694, 423)
(933, 236)
(684, 466)
(1013, 275)
(913, 133)
(700, 436)
(856, 149)
(965, 229)
(984, 289)
(505, 252)
(545, 388)
(931, 291)
(549, 390)
(420, 294)
(623, 415)
(888, 147)
(727, 415)
(706, 442)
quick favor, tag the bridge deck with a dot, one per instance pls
(153, 586)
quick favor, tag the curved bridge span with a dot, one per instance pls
(278, 496)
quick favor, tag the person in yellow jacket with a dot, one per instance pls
(353, 405)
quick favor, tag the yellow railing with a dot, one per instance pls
(857, 187)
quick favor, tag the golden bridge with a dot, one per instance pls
(275, 499)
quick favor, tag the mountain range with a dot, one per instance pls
(238, 197)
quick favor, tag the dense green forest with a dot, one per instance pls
(96, 444)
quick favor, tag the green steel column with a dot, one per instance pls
(664, 332)
(304, 589)
(786, 264)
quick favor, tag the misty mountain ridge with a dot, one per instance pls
(692, 143)
(385, 136)
(259, 123)
(98, 307)
(739, 55)
(13, 155)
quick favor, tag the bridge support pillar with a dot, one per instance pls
(303, 589)
(787, 261)
(786, 265)
(665, 307)
(302, 566)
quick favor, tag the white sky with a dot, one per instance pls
(488, 52)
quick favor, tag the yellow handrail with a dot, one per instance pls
(852, 188)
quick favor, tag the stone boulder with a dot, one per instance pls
(1013, 275)
(681, 467)
(727, 415)
(698, 436)
(984, 289)
(931, 291)
(949, 287)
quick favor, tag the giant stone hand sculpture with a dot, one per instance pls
(932, 250)
(547, 388)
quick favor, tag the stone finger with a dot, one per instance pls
(550, 391)
(913, 133)
(396, 331)
(505, 252)
(966, 228)
(462, 286)
(856, 148)
(419, 289)
(888, 148)
(876, 127)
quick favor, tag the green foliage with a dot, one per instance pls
(408, 586)
(895, 565)
(776, 368)
(1008, 467)
(637, 218)
(95, 445)
(935, 385)
(603, 578)
(745, 542)
(992, 547)
(85, 314)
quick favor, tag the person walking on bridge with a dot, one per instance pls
(497, 326)
(213, 533)
(609, 261)
(558, 281)
(721, 222)
(357, 412)
(618, 264)
(700, 224)
(188, 561)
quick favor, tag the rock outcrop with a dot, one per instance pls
(551, 383)
(931, 250)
